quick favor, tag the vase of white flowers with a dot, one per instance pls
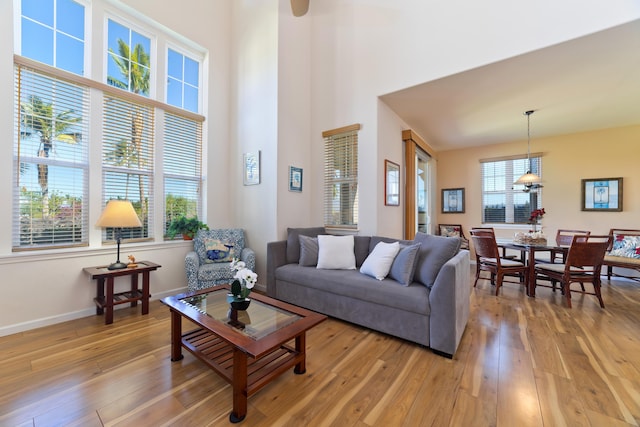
(243, 281)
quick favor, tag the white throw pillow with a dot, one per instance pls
(336, 253)
(379, 261)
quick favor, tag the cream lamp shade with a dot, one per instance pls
(528, 179)
(118, 214)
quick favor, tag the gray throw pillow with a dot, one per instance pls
(308, 251)
(434, 252)
(293, 243)
(404, 266)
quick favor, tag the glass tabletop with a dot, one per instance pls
(257, 321)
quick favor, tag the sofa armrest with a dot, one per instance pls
(191, 266)
(450, 304)
(276, 256)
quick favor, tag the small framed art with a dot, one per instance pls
(251, 162)
(602, 194)
(391, 183)
(453, 200)
(295, 179)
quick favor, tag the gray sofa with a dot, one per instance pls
(432, 309)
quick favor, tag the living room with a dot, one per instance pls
(250, 110)
(275, 83)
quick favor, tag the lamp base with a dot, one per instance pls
(117, 266)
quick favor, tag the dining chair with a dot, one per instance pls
(564, 238)
(583, 265)
(488, 259)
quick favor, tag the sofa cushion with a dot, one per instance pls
(350, 283)
(361, 248)
(293, 243)
(336, 252)
(308, 251)
(625, 246)
(434, 252)
(379, 261)
(404, 265)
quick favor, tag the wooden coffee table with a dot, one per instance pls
(246, 348)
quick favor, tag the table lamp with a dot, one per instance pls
(118, 214)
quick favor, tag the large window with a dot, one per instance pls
(182, 167)
(504, 202)
(55, 128)
(51, 157)
(127, 152)
(341, 177)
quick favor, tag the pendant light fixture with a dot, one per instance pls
(529, 180)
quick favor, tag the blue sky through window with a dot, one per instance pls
(54, 29)
(182, 81)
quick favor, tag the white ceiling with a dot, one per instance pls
(584, 84)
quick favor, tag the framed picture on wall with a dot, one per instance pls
(295, 179)
(602, 194)
(453, 200)
(251, 163)
(391, 183)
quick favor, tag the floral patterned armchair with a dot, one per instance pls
(453, 230)
(209, 263)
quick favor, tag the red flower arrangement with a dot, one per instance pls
(535, 215)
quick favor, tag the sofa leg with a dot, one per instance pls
(442, 353)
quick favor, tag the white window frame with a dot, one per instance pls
(504, 186)
(341, 184)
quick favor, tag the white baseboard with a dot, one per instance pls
(52, 320)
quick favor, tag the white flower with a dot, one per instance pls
(244, 279)
(237, 265)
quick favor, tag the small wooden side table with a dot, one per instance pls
(105, 298)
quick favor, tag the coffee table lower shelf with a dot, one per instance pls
(219, 356)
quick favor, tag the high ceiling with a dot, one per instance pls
(584, 84)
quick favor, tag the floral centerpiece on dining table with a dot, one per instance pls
(535, 216)
(533, 237)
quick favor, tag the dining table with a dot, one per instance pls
(528, 256)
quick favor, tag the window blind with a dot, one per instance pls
(502, 200)
(341, 177)
(182, 167)
(127, 160)
(51, 161)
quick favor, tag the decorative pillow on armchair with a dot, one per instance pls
(219, 250)
(450, 231)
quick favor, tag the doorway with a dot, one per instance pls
(418, 209)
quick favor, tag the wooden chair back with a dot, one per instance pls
(586, 252)
(483, 231)
(565, 237)
(485, 246)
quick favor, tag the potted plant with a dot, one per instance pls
(188, 227)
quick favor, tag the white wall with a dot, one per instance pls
(254, 123)
(294, 121)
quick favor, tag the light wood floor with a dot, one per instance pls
(522, 362)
